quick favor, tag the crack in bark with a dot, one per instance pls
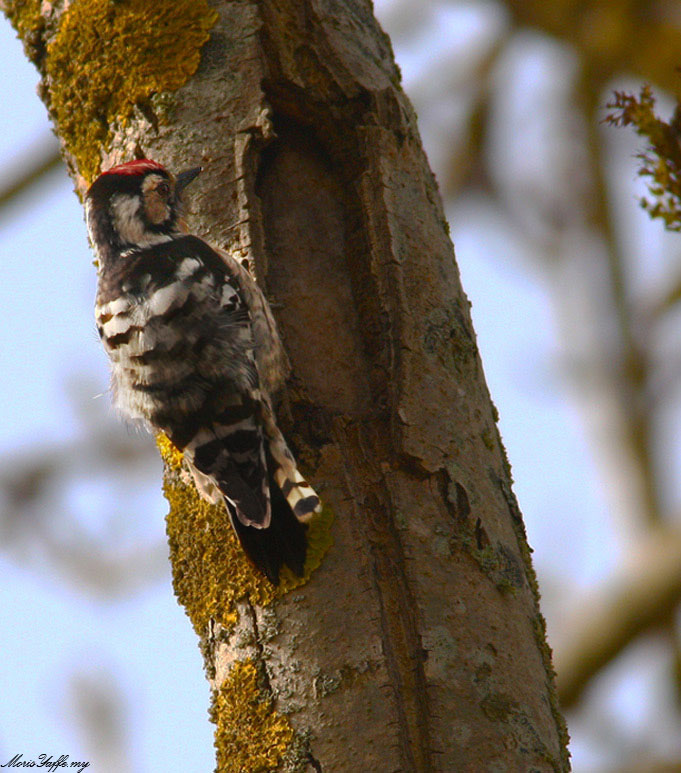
(402, 646)
(260, 658)
(401, 643)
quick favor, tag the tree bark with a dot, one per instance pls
(415, 642)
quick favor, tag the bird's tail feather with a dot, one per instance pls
(301, 497)
(282, 542)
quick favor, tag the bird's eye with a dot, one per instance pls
(163, 189)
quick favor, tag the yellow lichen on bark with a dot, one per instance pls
(107, 58)
(210, 570)
(170, 454)
(250, 737)
(27, 20)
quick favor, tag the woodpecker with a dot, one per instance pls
(195, 353)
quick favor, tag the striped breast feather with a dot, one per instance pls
(191, 278)
(171, 339)
(135, 324)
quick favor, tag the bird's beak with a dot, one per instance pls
(184, 178)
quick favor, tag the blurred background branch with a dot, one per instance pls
(29, 170)
(98, 707)
(75, 507)
(640, 599)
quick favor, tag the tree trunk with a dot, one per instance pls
(415, 642)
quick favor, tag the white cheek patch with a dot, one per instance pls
(156, 206)
(126, 218)
(128, 223)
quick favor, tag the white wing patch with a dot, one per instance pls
(223, 431)
(117, 306)
(161, 301)
(230, 297)
(175, 295)
(121, 323)
(188, 267)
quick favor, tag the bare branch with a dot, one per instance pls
(642, 597)
(37, 163)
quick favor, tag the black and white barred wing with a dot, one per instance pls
(179, 337)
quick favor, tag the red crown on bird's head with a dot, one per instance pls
(140, 166)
